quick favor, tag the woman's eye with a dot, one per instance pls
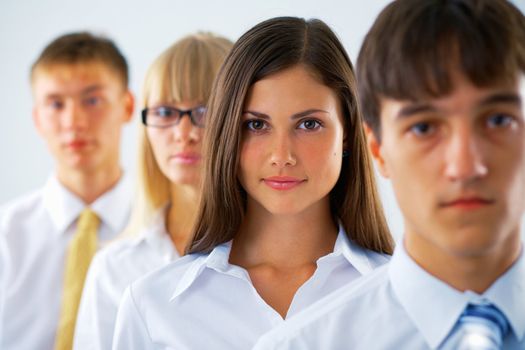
(499, 121)
(310, 124)
(255, 125)
(422, 129)
(164, 112)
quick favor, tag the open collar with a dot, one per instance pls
(218, 260)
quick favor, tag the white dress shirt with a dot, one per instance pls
(111, 272)
(201, 301)
(3, 263)
(36, 230)
(398, 306)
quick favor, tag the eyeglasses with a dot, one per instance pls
(165, 116)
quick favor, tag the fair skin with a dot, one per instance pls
(457, 165)
(291, 156)
(79, 110)
(177, 150)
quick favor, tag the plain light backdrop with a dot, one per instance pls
(142, 30)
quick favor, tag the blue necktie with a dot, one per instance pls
(482, 327)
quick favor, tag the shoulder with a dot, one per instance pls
(18, 210)
(120, 250)
(160, 284)
(125, 260)
(112, 258)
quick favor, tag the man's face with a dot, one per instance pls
(457, 165)
(79, 110)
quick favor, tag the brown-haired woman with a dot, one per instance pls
(290, 210)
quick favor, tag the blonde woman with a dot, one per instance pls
(290, 210)
(175, 92)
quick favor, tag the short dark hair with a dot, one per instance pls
(268, 48)
(413, 46)
(83, 47)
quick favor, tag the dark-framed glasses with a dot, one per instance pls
(166, 116)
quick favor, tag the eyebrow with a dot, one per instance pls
(86, 91)
(294, 116)
(510, 98)
(91, 89)
(415, 108)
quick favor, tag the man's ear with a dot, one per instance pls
(375, 148)
(129, 105)
(36, 120)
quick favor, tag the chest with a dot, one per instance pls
(277, 287)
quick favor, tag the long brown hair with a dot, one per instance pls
(267, 48)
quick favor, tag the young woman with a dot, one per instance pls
(290, 210)
(176, 89)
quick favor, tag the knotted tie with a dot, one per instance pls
(81, 249)
(482, 327)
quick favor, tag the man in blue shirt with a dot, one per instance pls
(442, 88)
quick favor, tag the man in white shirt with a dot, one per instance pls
(442, 87)
(81, 101)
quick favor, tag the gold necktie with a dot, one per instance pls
(81, 249)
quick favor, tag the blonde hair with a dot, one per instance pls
(183, 72)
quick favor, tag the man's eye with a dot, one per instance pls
(422, 129)
(499, 121)
(56, 104)
(255, 125)
(92, 101)
(310, 124)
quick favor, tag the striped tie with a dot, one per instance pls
(482, 327)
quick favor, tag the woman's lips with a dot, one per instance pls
(282, 183)
(186, 158)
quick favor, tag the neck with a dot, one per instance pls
(89, 186)
(284, 241)
(181, 214)
(474, 272)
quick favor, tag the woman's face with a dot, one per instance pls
(177, 148)
(292, 143)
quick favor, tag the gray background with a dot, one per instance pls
(142, 29)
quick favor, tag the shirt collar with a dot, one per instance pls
(218, 260)
(64, 207)
(356, 255)
(157, 237)
(508, 294)
(435, 307)
(113, 207)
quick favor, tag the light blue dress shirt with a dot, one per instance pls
(398, 306)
